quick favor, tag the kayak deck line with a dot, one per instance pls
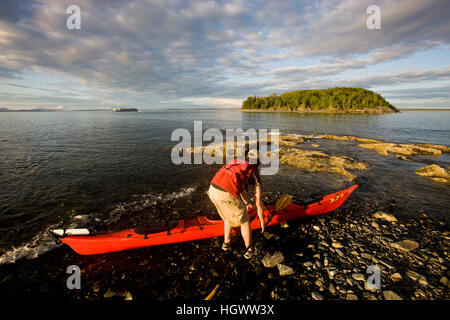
(195, 228)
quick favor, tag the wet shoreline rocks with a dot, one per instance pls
(323, 258)
(317, 161)
(435, 173)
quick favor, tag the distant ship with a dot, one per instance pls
(125, 110)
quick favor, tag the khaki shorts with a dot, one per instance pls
(230, 209)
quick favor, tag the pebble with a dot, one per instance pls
(316, 296)
(417, 277)
(405, 245)
(352, 296)
(336, 245)
(385, 216)
(270, 261)
(445, 281)
(284, 270)
(391, 295)
(331, 273)
(375, 225)
(284, 224)
(396, 277)
(331, 288)
(358, 277)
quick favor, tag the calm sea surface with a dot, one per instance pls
(57, 167)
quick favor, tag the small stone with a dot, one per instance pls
(319, 283)
(270, 261)
(339, 252)
(445, 281)
(316, 296)
(323, 243)
(405, 245)
(284, 270)
(267, 235)
(317, 228)
(366, 256)
(417, 277)
(336, 245)
(352, 296)
(375, 225)
(391, 295)
(387, 264)
(396, 277)
(284, 224)
(385, 216)
(358, 277)
(332, 289)
(331, 273)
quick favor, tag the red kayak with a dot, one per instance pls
(175, 231)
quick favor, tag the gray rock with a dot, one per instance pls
(445, 281)
(284, 270)
(396, 277)
(358, 277)
(417, 277)
(352, 296)
(332, 289)
(316, 296)
(336, 245)
(385, 216)
(270, 261)
(331, 272)
(391, 295)
(405, 245)
(366, 256)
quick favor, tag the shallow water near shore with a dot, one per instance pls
(114, 171)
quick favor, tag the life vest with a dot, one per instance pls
(233, 177)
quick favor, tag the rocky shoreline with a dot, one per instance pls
(320, 258)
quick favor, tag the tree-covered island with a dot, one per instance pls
(334, 100)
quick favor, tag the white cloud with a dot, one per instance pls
(170, 50)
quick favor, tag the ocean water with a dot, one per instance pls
(58, 168)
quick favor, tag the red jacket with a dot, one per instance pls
(233, 177)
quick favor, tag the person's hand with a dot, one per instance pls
(250, 207)
(263, 226)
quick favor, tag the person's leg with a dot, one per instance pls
(246, 233)
(227, 231)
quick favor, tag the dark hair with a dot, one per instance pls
(248, 150)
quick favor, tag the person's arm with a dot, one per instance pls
(247, 203)
(260, 206)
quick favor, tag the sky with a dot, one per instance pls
(178, 53)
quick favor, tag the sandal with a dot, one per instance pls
(226, 246)
(251, 253)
